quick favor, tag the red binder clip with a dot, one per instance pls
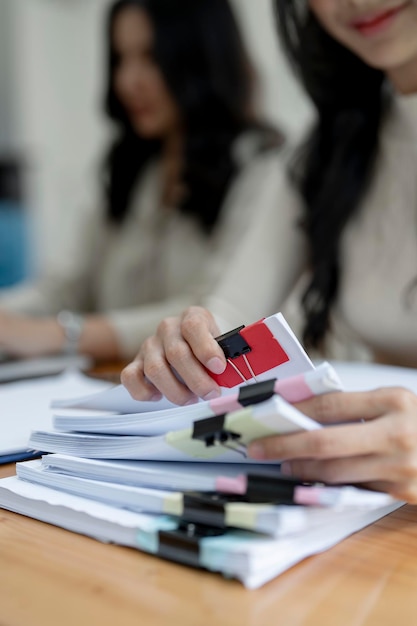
(250, 351)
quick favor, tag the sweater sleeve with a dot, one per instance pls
(268, 256)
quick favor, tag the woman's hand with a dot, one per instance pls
(185, 344)
(380, 451)
(23, 336)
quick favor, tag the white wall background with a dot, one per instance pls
(8, 120)
(57, 52)
(56, 56)
(281, 98)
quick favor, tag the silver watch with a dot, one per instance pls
(72, 325)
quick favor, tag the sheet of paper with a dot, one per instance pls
(131, 447)
(116, 399)
(364, 376)
(168, 475)
(25, 406)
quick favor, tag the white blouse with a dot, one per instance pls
(378, 292)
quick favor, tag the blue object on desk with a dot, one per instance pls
(19, 456)
(13, 243)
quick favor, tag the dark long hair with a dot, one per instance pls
(199, 51)
(334, 166)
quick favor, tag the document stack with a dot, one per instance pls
(175, 481)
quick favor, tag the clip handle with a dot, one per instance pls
(183, 545)
(212, 431)
(233, 344)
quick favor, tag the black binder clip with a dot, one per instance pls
(183, 544)
(257, 392)
(213, 432)
(233, 344)
(274, 489)
(207, 508)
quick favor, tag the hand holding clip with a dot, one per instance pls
(184, 345)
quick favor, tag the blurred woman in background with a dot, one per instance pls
(185, 180)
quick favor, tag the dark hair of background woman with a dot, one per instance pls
(199, 51)
(334, 167)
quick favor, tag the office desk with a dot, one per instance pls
(49, 576)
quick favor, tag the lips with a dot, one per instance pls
(376, 22)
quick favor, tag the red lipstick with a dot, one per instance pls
(378, 22)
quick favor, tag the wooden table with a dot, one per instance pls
(51, 577)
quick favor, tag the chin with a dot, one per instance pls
(147, 130)
(388, 58)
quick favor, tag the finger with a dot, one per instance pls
(406, 491)
(133, 378)
(325, 443)
(160, 374)
(354, 406)
(199, 329)
(358, 469)
(362, 471)
(180, 356)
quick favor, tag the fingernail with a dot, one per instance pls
(256, 451)
(155, 397)
(286, 468)
(212, 394)
(216, 365)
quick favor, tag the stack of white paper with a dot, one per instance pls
(128, 473)
(58, 472)
(274, 416)
(251, 557)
